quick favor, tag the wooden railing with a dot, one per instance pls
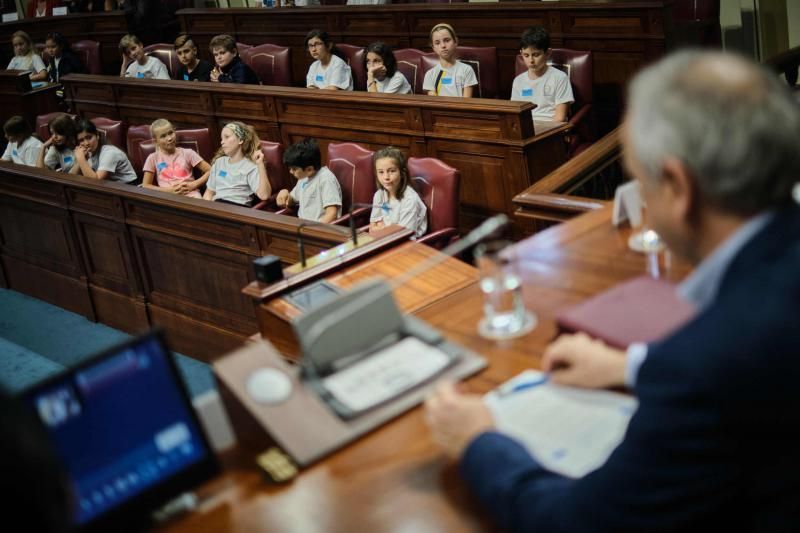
(549, 200)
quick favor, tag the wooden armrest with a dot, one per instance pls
(440, 238)
(358, 215)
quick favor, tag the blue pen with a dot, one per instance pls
(524, 385)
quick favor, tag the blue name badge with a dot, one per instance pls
(447, 81)
(527, 92)
(140, 74)
(161, 166)
(14, 152)
(304, 185)
(222, 173)
(320, 77)
(67, 159)
(186, 77)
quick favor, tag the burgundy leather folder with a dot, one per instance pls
(640, 310)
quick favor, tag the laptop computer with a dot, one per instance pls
(125, 431)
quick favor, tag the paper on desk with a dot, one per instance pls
(569, 431)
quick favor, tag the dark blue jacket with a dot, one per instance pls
(238, 72)
(713, 445)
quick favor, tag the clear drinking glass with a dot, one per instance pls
(504, 310)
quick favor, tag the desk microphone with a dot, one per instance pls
(358, 205)
(301, 244)
(370, 307)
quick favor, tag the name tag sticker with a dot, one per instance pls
(14, 152)
(222, 173)
(320, 77)
(527, 92)
(186, 77)
(161, 166)
(304, 185)
(68, 159)
(140, 74)
(447, 81)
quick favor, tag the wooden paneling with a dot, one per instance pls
(132, 257)
(16, 99)
(494, 143)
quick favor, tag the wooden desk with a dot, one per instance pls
(395, 479)
(106, 28)
(134, 258)
(624, 35)
(17, 99)
(492, 142)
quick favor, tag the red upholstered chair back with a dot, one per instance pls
(482, 59)
(112, 130)
(166, 53)
(141, 144)
(89, 54)
(277, 172)
(43, 120)
(272, 63)
(241, 47)
(354, 55)
(352, 165)
(438, 185)
(409, 62)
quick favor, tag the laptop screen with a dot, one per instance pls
(124, 429)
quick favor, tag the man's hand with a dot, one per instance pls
(455, 419)
(581, 361)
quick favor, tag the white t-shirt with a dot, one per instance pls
(25, 154)
(410, 212)
(337, 73)
(63, 159)
(115, 162)
(366, 2)
(547, 91)
(153, 68)
(316, 193)
(304, 3)
(452, 82)
(234, 182)
(397, 84)
(29, 62)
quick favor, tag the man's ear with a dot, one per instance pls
(679, 185)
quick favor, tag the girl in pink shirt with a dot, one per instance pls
(172, 165)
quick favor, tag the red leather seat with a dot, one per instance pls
(42, 121)
(141, 144)
(354, 55)
(409, 62)
(272, 63)
(579, 66)
(438, 185)
(353, 167)
(89, 54)
(166, 54)
(112, 130)
(482, 59)
(277, 173)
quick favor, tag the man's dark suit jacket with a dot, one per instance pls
(713, 444)
(68, 64)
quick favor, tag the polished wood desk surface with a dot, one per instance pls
(395, 479)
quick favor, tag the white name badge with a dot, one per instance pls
(10, 17)
(57, 11)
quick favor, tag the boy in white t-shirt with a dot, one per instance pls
(137, 64)
(545, 86)
(317, 192)
(23, 148)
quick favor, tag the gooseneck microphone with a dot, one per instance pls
(357, 205)
(301, 248)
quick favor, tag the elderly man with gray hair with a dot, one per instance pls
(714, 141)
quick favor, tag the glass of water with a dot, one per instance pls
(504, 313)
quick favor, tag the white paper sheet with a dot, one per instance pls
(569, 431)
